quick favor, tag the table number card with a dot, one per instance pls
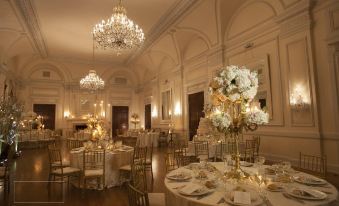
(242, 198)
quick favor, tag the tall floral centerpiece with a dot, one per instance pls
(135, 120)
(232, 91)
(97, 128)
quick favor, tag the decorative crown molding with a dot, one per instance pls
(165, 22)
(29, 16)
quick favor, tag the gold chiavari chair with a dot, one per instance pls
(223, 149)
(148, 162)
(170, 162)
(139, 157)
(58, 169)
(248, 153)
(137, 189)
(316, 165)
(201, 150)
(94, 167)
(138, 176)
(140, 198)
(137, 197)
(257, 145)
(74, 143)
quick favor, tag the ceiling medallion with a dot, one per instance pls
(118, 32)
(92, 81)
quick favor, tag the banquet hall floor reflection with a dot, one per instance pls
(31, 170)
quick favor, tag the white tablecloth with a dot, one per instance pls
(146, 139)
(276, 198)
(113, 161)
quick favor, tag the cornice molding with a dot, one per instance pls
(26, 9)
(165, 22)
(295, 19)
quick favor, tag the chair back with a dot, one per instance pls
(74, 143)
(54, 155)
(257, 145)
(183, 160)
(139, 154)
(201, 149)
(223, 149)
(316, 165)
(138, 172)
(137, 197)
(250, 148)
(170, 162)
(94, 159)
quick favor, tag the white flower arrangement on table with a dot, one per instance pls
(234, 85)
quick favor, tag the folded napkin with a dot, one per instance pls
(190, 188)
(242, 198)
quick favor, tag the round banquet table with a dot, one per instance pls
(113, 161)
(276, 198)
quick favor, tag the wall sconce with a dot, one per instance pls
(155, 112)
(67, 114)
(299, 98)
(177, 109)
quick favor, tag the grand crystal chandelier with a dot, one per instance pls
(92, 81)
(118, 32)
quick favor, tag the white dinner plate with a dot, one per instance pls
(313, 194)
(179, 176)
(309, 180)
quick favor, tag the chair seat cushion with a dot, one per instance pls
(66, 170)
(126, 167)
(94, 172)
(156, 199)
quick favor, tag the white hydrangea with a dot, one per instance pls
(221, 121)
(237, 82)
(257, 117)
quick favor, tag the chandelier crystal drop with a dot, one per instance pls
(118, 32)
(92, 81)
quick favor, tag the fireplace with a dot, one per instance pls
(79, 126)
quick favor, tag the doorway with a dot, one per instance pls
(195, 112)
(148, 116)
(119, 120)
(47, 111)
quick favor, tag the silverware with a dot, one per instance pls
(292, 198)
(326, 192)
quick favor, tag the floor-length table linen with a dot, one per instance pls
(113, 161)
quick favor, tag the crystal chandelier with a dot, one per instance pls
(118, 32)
(92, 81)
